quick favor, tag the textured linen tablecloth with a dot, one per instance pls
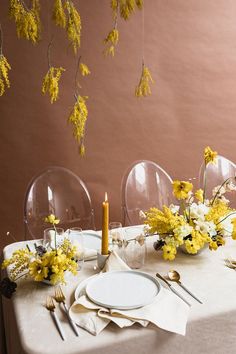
(211, 327)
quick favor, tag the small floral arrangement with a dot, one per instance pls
(41, 264)
(196, 221)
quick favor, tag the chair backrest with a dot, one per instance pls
(144, 185)
(56, 191)
(216, 174)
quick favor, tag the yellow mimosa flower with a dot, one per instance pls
(59, 15)
(143, 88)
(199, 195)
(4, 68)
(51, 82)
(210, 156)
(84, 69)
(51, 219)
(181, 189)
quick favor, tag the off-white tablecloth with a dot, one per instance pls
(211, 327)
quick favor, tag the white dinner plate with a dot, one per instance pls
(91, 240)
(123, 290)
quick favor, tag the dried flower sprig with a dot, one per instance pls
(143, 88)
(79, 114)
(58, 14)
(112, 40)
(51, 83)
(4, 67)
(28, 24)
(73, 27)
(52, 77)
(126, 7)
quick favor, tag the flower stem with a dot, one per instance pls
(222, 185)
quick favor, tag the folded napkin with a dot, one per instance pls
(167, 311)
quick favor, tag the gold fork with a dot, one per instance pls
(60, 298)
(51, 307)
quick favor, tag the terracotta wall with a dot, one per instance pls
(190, 49)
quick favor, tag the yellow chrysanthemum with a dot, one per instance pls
(143, 88)
(84, 69)
(51, 219)
(199, 195)
(58, 14)
(210, 156)
(192, 246)
(73, 25)
(51, 82)
(78, 118)
(169, 252)
(181, 189)
(112, 40)
(4, 68)
(27, 20)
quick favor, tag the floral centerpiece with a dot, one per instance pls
(196, 221)
(41, 263)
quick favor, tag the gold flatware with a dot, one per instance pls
(173, 289)
(51, 307)
(60, 298)
(230, 264)
(175, 276)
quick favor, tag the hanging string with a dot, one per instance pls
(142, 36)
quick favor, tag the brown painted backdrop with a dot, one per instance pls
(190, 48)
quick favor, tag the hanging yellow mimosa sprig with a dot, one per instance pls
(79, 113)
(4, 67)
(143, 88)
(51, 79)
(66, 15)
(28, 24)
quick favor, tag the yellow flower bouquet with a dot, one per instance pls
(42, 264)
(196, 221)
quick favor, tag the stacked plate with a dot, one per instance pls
(124, 290)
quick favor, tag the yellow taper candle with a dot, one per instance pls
(105, 224)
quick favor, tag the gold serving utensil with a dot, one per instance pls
(60, 298)
(230, 264)
(172, 289)
(173, 275)
(51, 307)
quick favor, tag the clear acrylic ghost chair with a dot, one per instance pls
(56, 191)
(144, 185)
(216, 174)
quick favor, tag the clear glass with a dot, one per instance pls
(77, 239)
(116, 237)
(51, 236)
(134, 247)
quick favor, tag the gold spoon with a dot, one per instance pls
(175, 276)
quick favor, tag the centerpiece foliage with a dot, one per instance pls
(195, 221)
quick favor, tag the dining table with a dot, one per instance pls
(211, 326)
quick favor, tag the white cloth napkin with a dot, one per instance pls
(167, 311)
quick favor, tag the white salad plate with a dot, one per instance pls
(123, 290)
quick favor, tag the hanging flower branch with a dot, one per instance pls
(70, 21)
(4, 67)
(124, 8)
(27, 20)
(79, 113)
(51, 79)
(143, 88)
